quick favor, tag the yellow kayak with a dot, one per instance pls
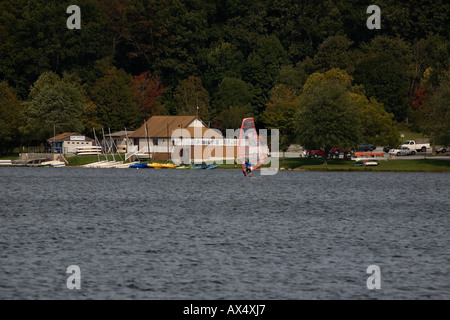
(169, 165)
(155, 165)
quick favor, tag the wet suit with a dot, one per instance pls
(248, 168)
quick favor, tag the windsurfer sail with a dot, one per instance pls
(250, 151)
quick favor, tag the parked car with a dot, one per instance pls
(441, 149)
(366, 147)
(320, 152)
(315, 153)
(403, 151)
(413, 145)
(335, 152)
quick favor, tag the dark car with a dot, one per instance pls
(366, 147)
(386, 149)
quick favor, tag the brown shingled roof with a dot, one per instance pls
(66, 136)
(159, 126)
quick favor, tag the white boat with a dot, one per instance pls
(53, 163)
(124, 164)
(374, 156)
(5, 162)
(368, 159)
(88, 151)
(103, 164)
(94, 164)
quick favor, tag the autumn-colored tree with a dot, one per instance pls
(146, 90)
(420, 95)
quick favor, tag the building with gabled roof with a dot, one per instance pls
(159, 136)
(68, 142)
(162, 126)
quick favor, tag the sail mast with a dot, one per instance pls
(96, 143)
(148, 142)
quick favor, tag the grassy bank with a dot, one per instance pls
(395, 165)
(13, 156)
(82, 160)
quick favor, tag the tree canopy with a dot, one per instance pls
(327, 115)
(54, 103)
(135, 58)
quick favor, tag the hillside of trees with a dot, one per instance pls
(279, 61)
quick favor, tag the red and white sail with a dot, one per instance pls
(249, 145)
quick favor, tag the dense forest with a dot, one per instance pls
(280, 61)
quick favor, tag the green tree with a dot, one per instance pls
(180, 36)
(333, 52)
(263, 66)
(280, 111)
(231, 118)
(113, 98)
(384, 71)
(377, 125)
(279, 114)
(245, 23)
(11, 119)
(302, 25)
(38, 40)
(292, 77)
(327, 115)
(233, 92)
(221, 61)
(435, 112)
(233, 103)
(54, 103)
(414, 20)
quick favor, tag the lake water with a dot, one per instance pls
(211, 234)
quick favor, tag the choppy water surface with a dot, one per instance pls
(209, 234)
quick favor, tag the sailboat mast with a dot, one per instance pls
(126, 151)
(112, 144)
(96, 143)
(106, 155)
(148, 143)
(54, 135)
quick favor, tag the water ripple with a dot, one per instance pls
(205, 234)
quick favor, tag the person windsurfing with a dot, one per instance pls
(248, 168)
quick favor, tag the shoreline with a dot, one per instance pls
(429, 164)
